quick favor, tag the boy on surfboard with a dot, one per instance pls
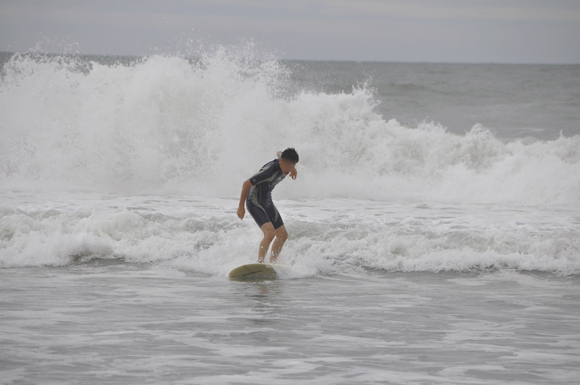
(257, 194)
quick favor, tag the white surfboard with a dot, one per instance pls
(256, 271)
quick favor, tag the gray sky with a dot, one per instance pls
(500, 31)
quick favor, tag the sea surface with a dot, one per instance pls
(434, 224)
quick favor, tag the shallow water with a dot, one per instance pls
(112, 322)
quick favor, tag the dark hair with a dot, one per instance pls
(290, 154)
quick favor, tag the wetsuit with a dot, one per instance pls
(259, 202)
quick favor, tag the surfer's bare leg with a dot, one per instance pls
(269, 234)
(281, 237)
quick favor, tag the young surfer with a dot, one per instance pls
(257, 194)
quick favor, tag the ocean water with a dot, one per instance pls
(434, 225)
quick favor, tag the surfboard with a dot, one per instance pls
(255, 271)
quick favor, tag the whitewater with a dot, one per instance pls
(434, 224)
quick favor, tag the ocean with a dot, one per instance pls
(434, 224)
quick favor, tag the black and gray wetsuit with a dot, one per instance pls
(259, 202)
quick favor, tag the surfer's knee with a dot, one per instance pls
(282, 234)
(269, 232)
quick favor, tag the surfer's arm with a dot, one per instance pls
(245, 191)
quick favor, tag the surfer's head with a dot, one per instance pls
(288, 160)
(290, 155)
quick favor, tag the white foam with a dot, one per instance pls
(168, 124)
(327, 237)
(371, 192)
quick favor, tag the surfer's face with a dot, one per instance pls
(286, 166)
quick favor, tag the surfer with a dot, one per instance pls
(257, 194)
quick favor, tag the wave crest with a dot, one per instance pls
(203, 126)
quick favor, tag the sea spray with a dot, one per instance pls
(168, 123)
